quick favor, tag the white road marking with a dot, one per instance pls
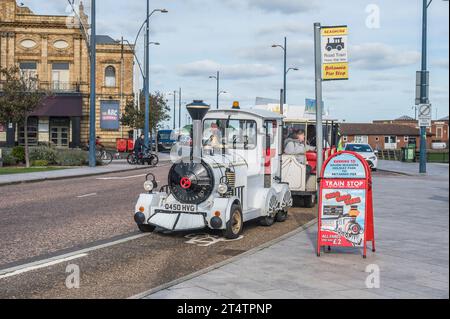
(205, 240)
(120, 177)
(87, 195)
(40, 266)
(17, 270)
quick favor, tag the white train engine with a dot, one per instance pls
(231, 175)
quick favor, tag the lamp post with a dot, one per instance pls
(424, 99)
(93, 62)
(147, 70)
(174, 93)
(217, 77)
(285, 66)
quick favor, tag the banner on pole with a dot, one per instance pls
(335, 53)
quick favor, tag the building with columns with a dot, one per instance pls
(53, 50)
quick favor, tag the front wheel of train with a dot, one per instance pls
(282, 216)
(236, 223)
(146, 228)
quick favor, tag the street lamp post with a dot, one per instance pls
(217, 77)
(92, 114)
(284, 67)
(147, 70)
(424, 99)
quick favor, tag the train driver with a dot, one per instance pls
(213, 136)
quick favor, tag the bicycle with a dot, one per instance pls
(103, 156)
(143, 157)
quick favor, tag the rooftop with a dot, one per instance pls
(378, 129)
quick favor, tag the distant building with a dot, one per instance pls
(382, 136)
(439, 128)
(52, 49)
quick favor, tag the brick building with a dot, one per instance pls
(439, 128)
(52, 50)
(383, 136)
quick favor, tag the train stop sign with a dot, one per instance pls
(346, 203)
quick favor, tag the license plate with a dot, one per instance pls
(188, 208)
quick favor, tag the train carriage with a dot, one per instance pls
(232, 174)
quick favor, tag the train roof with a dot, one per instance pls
(264, 114)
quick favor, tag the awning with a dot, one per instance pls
(60, 106)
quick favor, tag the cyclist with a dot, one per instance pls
(98, 143)
(139, 145)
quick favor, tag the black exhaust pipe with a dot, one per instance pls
(197, 110)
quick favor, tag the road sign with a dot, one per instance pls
(426, 122)
(334, 53)
(425, 111)
(346, 203)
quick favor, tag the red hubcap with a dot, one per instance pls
(185, 183)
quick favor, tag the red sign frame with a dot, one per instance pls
(341, 191)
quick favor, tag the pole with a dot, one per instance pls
(218, 88)
(423, 90)
(179, 110)
(147, 78)
(318, 71)
(92, 111)
(285, 70)
(281, 102)
(174, 109)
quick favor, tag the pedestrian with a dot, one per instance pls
(139, 145)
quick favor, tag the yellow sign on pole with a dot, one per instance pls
(335, 53)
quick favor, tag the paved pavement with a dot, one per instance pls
(411, 225)
(433, 169)
(114, 167)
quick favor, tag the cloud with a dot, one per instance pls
(290, 27)
(283, 6)
(205, 68)
(378, 56)
(299, 52)
(440, 63)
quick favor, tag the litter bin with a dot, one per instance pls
(121, 145)
(408, 154)
(130, 144)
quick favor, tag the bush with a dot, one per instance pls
(18, 153)
(40, 163)
(8, 159)
(43, 153)
(71, 157)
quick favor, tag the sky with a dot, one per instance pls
(199, 37)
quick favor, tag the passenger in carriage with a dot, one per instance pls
(296, 145)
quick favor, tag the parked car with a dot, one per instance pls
(366, 151)
(166, 140)
(438, 146)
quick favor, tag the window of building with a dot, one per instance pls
(28, 71)
(361, 139)
(110, 76)
(439, 132)
(32, 132)
(60, 76)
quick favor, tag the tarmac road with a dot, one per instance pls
(88, 222)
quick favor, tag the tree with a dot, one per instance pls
(19, 97)
(135, 117)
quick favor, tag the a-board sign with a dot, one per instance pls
(345, 203)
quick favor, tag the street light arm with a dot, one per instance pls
(135, 56)
(145, 21)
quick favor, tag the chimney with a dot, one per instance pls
(197, 110)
